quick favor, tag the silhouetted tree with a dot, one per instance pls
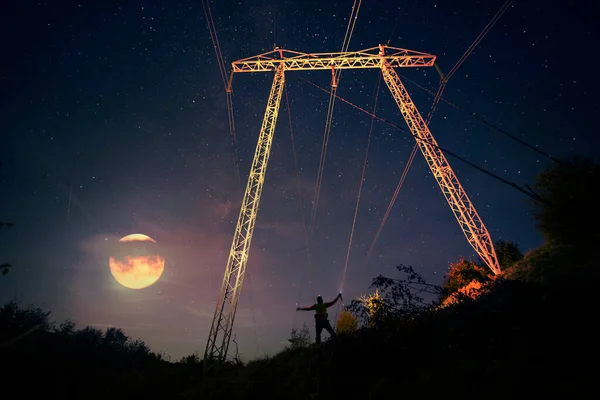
(193, 358)
(300, 337)
(508, 253)
(138, 347)
(66, 328)
(374, 308)
(16, 320)
(115, 339)
(347, 324)
(396, 298)
(570, 216)
(89, 337)
(462, 273)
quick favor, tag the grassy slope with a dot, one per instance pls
(532, 334)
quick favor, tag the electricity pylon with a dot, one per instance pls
(280, 60)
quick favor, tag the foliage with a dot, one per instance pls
(65, 328)
(569, 216)
(300, 338)
(466, 279)
(16, 320)
(508, 253)
(462, 273)
(395, 298)
(375, 307)
(193, 358)
(98, 363)
(347, 324)
(549, 265)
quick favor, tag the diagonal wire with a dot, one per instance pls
(436, 100)
(336, 74)
(307, 249)
(526, 191)
(362, 179)
(487, 123)
(212, 30)
(215, 39)
(360, 185)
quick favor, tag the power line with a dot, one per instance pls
(436, 100)
(488, 123)
(528, 192)
(362, 179)
(212, 30)
(360, 185)
(306, 242)
(335, 76)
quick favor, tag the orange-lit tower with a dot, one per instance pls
(385, 58)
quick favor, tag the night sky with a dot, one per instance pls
(114, 121)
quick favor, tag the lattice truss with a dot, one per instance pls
(385, 58)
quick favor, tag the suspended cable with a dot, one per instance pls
(274, 27)
(436, 100)
(351, 104)
(529, 193)
(213, 36)
(362, 179)
(336, 74)
(400, 11)
(352, 22)
(479, 38)
(487, 123)
(445, 78)
(212, 30)
(299, 188)
(360, 185)
(231, 120)
(392, 201)
(321, 167)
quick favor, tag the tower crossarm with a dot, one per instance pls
(229, 295)
(368, 58)
(464, 211)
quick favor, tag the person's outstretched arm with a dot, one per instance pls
(305, 308)
(332, 302)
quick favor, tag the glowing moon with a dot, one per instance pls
(137, 264)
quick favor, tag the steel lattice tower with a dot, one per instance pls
(385, 58)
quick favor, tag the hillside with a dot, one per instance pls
(531, 334)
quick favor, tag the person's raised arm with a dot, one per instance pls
(332, 302)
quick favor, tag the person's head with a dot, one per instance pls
(319, 299)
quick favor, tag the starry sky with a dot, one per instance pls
(114, 121)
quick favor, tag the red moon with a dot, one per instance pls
(138, 265)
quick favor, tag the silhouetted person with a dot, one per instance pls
(321, 321)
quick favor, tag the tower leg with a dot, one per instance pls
(222, 323)
(464, 211)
